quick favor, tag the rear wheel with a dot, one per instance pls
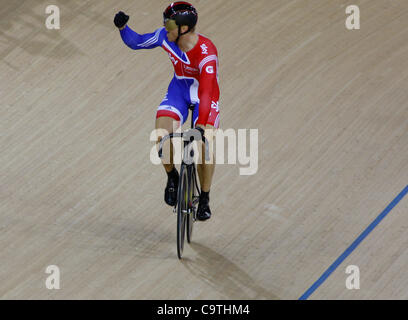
(182, 207)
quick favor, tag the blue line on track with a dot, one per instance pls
(354, 245)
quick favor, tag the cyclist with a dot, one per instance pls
(195, 81)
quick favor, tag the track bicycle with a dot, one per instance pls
(188, 194)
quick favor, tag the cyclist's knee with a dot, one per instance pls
(167, 123)
(161, 133)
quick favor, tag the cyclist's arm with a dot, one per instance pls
(208, 83)
(137, 41)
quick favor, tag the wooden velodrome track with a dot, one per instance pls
(78, 190)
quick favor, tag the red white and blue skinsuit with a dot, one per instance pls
(195, 78)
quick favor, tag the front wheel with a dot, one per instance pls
(193, 196)
(182, 207)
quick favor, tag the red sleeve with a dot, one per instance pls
(207, 85)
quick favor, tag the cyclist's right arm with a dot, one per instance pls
(137, 41)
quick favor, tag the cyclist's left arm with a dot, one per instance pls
(208, 83)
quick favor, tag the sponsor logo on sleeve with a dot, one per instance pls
(204, 48)
(209, 69)
(214, 105)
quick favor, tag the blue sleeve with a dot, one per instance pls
(137, 41)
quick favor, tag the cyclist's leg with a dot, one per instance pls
(171, 114)
(164, 126)
(206, 170)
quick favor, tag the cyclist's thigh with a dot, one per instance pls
(174, 106)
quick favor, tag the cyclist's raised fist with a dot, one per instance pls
(120, 19)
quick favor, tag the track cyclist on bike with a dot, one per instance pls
(195, 81)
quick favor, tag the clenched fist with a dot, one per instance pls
(121, 19)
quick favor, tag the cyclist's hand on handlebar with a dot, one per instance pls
(201, 130)
(121, 20)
